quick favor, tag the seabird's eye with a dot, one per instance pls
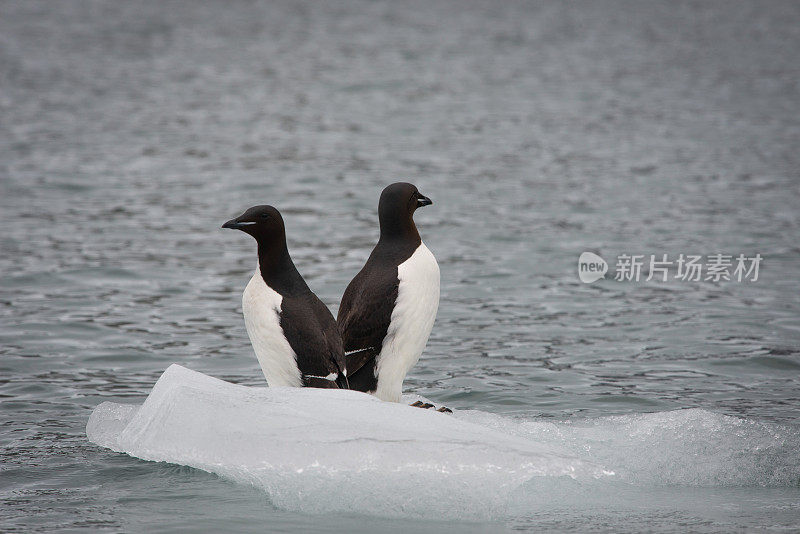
(265, 216)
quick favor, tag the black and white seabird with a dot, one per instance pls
(387, 311)
(293, 333)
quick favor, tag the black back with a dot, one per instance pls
(307, 323)
(366, 309)
(312, 333)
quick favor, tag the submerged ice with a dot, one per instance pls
(328, 450)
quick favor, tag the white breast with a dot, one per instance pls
(411, 322)
(261, 306)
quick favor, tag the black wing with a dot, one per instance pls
(364, 317)
(314, 336)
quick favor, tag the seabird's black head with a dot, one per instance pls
(396, 209)
(264, 223)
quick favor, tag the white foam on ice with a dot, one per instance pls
(319, 450)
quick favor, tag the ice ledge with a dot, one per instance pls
(321, 450)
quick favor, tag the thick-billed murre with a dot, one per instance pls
(388, 309)
(294, 335)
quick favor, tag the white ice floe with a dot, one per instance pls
(321, 450)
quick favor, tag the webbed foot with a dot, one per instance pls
(426, 405)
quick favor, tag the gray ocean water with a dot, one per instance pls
(130, 131)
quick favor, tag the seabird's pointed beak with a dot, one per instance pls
(423, 201)
(236, 225)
